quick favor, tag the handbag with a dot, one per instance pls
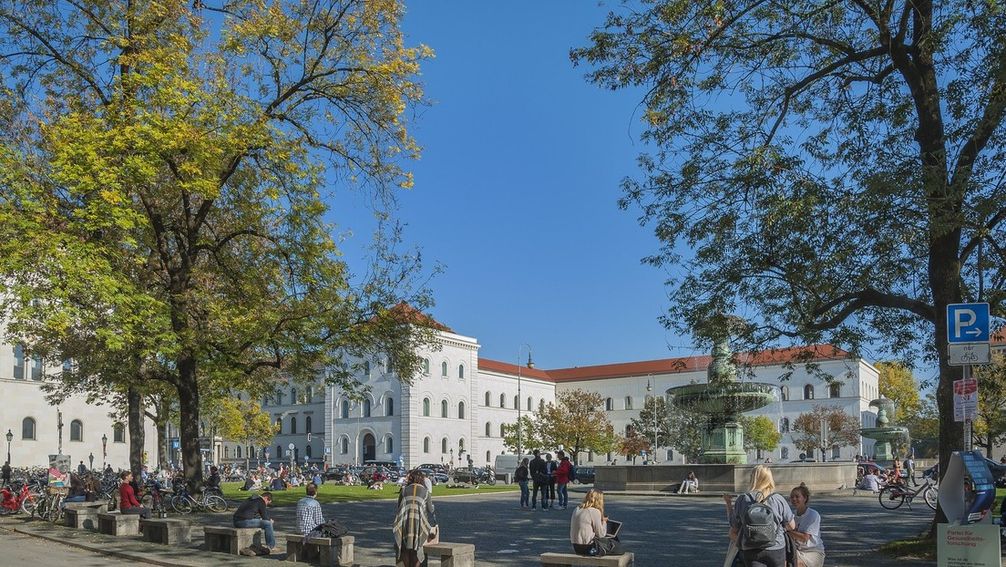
(434, 536)
(601, 546)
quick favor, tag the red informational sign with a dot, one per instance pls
(965, 386)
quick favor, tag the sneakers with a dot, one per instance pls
(275, 550)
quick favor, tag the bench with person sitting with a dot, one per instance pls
(327, 542)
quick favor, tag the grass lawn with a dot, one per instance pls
(330, 492)
(925, 549)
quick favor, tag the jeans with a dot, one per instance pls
(265, 525)
(525, 494)
(764, 557)
(543, 488)
(560, 489)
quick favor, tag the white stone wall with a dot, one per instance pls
(502, 393)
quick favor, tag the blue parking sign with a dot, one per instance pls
(967, 323)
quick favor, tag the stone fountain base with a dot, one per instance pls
(730, 477)
(725, 444)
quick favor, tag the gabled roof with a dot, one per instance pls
(795, 355)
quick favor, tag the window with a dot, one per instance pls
(28, 428)
(293, 424)
(443, 369)
(389, 406)
(489, 429)
(345, 409)
(238, 449)
(309, 394)
(503, 401)
(461, 410)
(443, 408)
(670, 454)
(461, 446)
(516, 403)
(67, 367)
(36, 367)
(366, 368)
(366, 408)
(628, 402)
(461, 372)
(836, 453)
(279, 452)
(488, 397)
(389, 445)
(76, 430)
(345, 446)
(426, 445)
(608, 404)
(279, 398)
(488, 457)
(529, 405)
(19, 364)
(628, 431)
(307, 424)
(443, 445)
(785, 453)
(835, 390)
(784, 393)
(784, 425)
(118, 433)
(227, 452)
(502, 429)
(426, 407)
(308, 452)
(808, 392)
(293, 395)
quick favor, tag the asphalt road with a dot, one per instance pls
(18, 549)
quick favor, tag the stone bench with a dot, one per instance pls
(328, 552)
(116, 524)
(82, 517)
(574, 560)
(228, 540)
(166, 532)
(452, 554)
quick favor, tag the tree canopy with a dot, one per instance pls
(575, 421)
(842, 430)
(896, 382)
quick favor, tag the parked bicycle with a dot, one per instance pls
(892, 496)
(184, 503)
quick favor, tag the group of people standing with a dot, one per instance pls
(549, 479)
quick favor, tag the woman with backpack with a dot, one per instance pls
(760, 520)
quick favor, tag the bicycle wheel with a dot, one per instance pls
(183, 505)
(215, 503)
(931, 496)
(891, 497)
(147, 501)
(29, 503)
(55, 509)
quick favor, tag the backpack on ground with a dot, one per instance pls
(759, 524)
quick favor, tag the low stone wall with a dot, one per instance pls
(819, 477)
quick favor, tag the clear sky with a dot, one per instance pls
(516, 190)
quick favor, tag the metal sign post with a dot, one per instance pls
(968, 326)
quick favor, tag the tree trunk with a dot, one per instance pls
(136, 435)
(188, 412)
(162, 447)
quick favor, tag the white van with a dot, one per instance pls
(506, 465)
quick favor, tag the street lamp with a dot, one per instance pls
(90, 459)
(649, 388)
(104, 450)
(10, 437)
(520, 400)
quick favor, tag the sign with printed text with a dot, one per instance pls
(967, 323)
(962, 354)
(965, 399)
(970, 545)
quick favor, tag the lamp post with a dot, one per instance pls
(104, 450)
(90, 459)
(520, 400)
(649, 388)
(59, 425)
(10, 437)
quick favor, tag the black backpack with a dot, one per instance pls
(759, 525)
(332, 529)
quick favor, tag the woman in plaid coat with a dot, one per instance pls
(416, 521)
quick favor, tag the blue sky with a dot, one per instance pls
(516, 191)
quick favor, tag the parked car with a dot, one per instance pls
(336, 473)
(998, 471)
(435, 476)
(585, 475)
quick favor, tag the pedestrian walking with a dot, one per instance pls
(910, 470)
(415, 522)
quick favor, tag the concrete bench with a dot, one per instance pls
(229, 540)
(116, 524)
(327, 551)
(574, 560)
(452, 554)
(166, 532)
(82, 517)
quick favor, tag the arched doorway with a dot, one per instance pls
(369, 448)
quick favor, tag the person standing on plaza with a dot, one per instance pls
(5, 474)
(550, 466)
(415, 522)
(910, 470)
(521, 475)
(128, 504)
(81, 469)
(309, 515)
(539, 480)
(807, 533)
(254, 513)
(762, 492)
(562, 474)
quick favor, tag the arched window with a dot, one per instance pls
(516, 402)
(389, 444)
(808, 392)
(835, 390)
(784, 393)
(461, 410)
(389, 406)
(785, 453)
(293, 395)
(238, 449)
(76, 430)
(426, 407)
(489, 429)
(443, 369)
(609, 404)
(309, 394)
(529, 405)
(628, 402)
(36, 367)
(461, 372)
(345, 409)
(28, 428)
(426, 367)
(488, 457)
(488, 398)
(426, 445)
(366, 368)
(366, 408)
(19, 363)
(443, 445)
(502, 400)
(345, 446)
(293, 424)
(118, 433)
(308, 452)
(628, 430)
(461, 445)
(443, 408)
(307, 425)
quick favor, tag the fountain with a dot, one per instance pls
(723, 398)
(885, 430)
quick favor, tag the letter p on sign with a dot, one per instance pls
(967, 322)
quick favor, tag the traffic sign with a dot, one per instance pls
(969, 353)
(967, 323)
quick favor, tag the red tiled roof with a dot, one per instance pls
(405, 312)
(796, 355)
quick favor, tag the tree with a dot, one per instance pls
(842, 431)
(245, 423)
(685, 429)
(989, 428)
(530, 435)
(897, 383)
(834, 168)
(576, 421)
(760, 433)
(166, 167)
(644, 424)
(924, 428)
(632, 445)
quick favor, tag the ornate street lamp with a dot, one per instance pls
(520, 400)
(90, 459)
(104, 450)
(10, 437)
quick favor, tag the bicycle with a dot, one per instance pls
(184, 503)
(893, 496)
